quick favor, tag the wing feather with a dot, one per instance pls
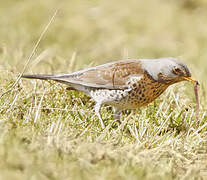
(113, 75)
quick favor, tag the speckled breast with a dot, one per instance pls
(140, 94)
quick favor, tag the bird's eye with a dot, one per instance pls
(177, 71)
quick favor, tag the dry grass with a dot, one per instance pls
(47, 132)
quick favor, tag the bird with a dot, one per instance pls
(124, 84)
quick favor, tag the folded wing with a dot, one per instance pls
(113, 75)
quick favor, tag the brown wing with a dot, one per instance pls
(111, 75)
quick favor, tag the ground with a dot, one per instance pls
(47, 132)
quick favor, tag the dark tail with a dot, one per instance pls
(59, 78)
(40, 76)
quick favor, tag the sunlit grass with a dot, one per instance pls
(48, 132)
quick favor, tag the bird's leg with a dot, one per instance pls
(117, 115)
(97, 111)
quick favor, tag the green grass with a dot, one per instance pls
(47, 132)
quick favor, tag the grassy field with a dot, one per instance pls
(47, 132)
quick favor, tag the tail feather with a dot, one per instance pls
(58, 78)
(39, 76)
(66, 79)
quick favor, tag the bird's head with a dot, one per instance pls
(167, 70)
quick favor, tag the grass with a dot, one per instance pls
(47, 132)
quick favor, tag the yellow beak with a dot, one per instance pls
(189, 79)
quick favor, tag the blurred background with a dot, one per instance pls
(91, 32)
(49, 133)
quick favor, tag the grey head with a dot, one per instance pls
(166, 70)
